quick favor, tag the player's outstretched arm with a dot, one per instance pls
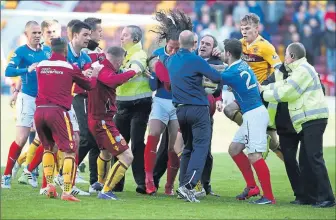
(205, 69)
(113, 80)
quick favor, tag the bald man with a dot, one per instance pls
(192, 108)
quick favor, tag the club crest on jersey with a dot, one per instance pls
(255, 50)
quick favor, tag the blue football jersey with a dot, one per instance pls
(77, 59)
(241, 78)
(22, 58)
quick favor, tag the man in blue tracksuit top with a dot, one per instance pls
(186, 71)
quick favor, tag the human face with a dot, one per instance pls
(97, 34)
(50, 32)
(195, 41)
(288, 58)
(115, 61)
(82, 38)
(249, 32)
(33, 34)
(172, 47)
(206, 47)
(126, 38)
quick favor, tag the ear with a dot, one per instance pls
(135, 39)
(292, 55)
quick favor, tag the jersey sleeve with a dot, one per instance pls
(270, 55)
(12, 69)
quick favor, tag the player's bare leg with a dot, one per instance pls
(22, 134)
(179, 144)
(232, 111)
(243, 163)
(156, 128)
(173, 160)
(115, 174)
(103, 168)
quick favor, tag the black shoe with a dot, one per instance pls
(141, 189)
(324, 204)
(300, 202)
(81, 167)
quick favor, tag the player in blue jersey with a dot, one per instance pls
(252, 133)
(23, 63)
(163, 114)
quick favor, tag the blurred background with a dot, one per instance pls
(282, 22)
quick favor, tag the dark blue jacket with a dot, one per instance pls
(186, 71)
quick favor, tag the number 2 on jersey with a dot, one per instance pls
(248, 80)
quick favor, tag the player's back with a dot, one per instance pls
(55, 82)
(240, 77)
(261, 57)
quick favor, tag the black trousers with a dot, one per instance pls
(195, 127)
(162, 160)
(314, 175)
(87, 143)
(131, 121)
(289, 143)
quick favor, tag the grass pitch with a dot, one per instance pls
(24, 202)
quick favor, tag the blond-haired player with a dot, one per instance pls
(263, 59)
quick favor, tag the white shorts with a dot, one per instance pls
(252, 132)
(163, 110)
(25, 110)
(73, 119)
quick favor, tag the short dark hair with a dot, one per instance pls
(214, 39)
(116, 51)
(58, 45)
(136, 33)
(233, 46)
(77, 27)
(297, 50)
(72, 23)
(93, 22)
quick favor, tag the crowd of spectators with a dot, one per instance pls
(312, 23)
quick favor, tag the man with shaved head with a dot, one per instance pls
(186, 71)
(23, 63)
(308, 110)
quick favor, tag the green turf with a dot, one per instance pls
(23, 202)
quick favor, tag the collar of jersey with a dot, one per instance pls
(297, 63)
(135, 48)
(57, 56)
(251, 44)
(73, 50)
(234, 63)
(108, 64)
(33, 49)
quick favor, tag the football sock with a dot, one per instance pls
(32, 135)
(31, 150)
(13, 154)
(48, 166)
(115, 174)
(150, 155)
(263, 174)
(172, 168)
(103, 167)
(56, 164)
(37, 159)
(69, 171)
(75, 174)
(22, 158)
(245, 168)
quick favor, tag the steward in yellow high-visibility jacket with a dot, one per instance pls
(308, 110)
(134, 101)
